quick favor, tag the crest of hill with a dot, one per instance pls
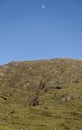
(62, 69)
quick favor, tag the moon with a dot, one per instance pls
(43, 6)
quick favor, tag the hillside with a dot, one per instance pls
(41, 95)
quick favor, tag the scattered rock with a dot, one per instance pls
(74, 81)
(1, 74)
(65, 98)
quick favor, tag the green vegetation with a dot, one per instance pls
(41, 95)
(4, 128)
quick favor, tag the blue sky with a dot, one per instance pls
(30, 32)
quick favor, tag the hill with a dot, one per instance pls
(41, 95)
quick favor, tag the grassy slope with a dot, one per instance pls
(41, 95)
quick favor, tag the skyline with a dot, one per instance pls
(40, 29)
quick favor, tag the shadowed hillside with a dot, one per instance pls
(41, 95)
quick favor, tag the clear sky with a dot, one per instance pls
(40, 29)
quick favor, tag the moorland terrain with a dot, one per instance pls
(41, 95)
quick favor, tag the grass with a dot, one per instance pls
(4, 128)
